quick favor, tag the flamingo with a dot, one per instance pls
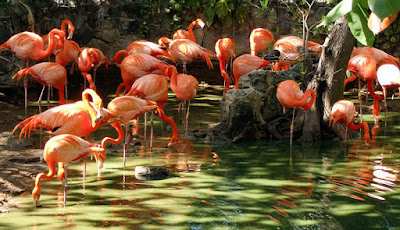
(388, 76)
(260, 39)
(343, 112)
(29, 45)
(147, 47)
(380, 57)
(71, 31)
(129, 108)
(135, 66)
(185, 88)
(47, 74)
(363, 66)
(183, 34)
(69, 53)
(91, 58)
(154, 87)
(187, 51)
(64, 148)
(290, 96)
(245, 64)
(288, 51)
(79, 118)
(224, 48)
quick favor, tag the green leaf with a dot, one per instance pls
(342, 8)
(221, 9)
(384, 8)
(227, 21)
(357, 20)
(241, 14)
(209, 13)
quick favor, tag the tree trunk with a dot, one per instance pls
(328, 80)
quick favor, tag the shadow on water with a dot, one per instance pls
(257, 185)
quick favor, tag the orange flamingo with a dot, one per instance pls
(245, 64)
(185, 88)
(363, 66)
(29, 45)
(154, 87)
(224, 48)
(47, 74)
(135, 66)
(289, 53)
(69, 53)
(343, 112)
(290, 96)
(91, 58)
(260, 39)
(64, 119)
(388, 76)
(380, 57)
(183, 34)
(64, 148)
(71, 31)
(187, 51)
(147, 47)
(128, 108)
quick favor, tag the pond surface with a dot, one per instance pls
(254, 185)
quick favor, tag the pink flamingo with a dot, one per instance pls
(47, 74)
(183, 34)
(91, 58)
(260, 39)
(224, 48)
(245, 64)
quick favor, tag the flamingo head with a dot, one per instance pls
(342, 112)
(36, 196)
(173, 141)
(200, 23)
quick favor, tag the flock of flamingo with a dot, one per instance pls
(146, 77)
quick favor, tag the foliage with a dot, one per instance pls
(357, 12)
(226, 11)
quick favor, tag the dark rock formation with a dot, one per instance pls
(151, 172)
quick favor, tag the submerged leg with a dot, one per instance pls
(291, 128)
(40, 99)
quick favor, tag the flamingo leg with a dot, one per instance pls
(145, 125)
(40, 99)
(384, 96)
(84, 173)
(126, 142)
(360, 98)
(26, 94)
(345, 136)
(187, 119)
(151, 130)
(291, 127)
(65, 184)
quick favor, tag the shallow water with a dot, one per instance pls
(254, 185)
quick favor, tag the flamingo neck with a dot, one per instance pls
(36, 191)
(52, 44)
(307, 105)
(71, 28)
(364, 125)
(96, 100)
(372, 92)
(190, 31)
(117, 126)
(61, 96)
(117, 57)
(175, 135)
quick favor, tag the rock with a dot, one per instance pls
(151, 172)
(253, 111)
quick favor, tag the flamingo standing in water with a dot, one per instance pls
(187, 51)
(224, 48)
(47, 74)
(29, 45)
(185, 88)
(91, 58)
(129, 108)
(343, 112)
(135, 66)
(388, 76)
(290, 96)
(183, 34)
(260, 39)
(363, 66)
(245, 64)
(64, 148)
(79, 118)
(154, 87)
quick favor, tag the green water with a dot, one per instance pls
(254, 185)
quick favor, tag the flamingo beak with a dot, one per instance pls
(202, 24)
(98, 114)
(36, 202)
